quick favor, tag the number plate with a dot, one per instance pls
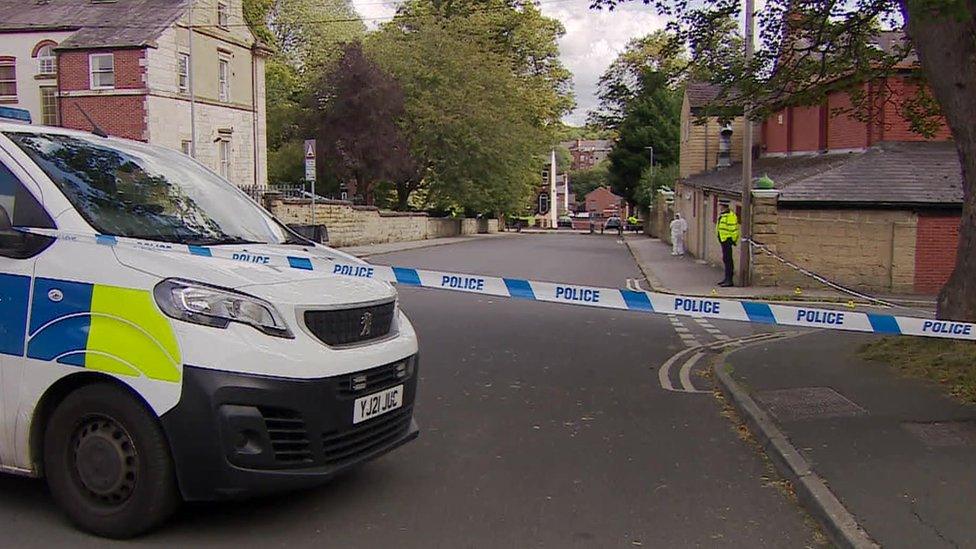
(377, 404)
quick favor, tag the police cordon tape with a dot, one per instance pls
(554, 292)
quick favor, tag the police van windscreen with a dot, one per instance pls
(134, 190)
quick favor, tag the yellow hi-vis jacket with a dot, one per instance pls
(728, 227)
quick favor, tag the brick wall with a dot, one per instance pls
(73, 70)
(843, 131)
(776, 133)
(805, 129)
(871, 250)
(800, 129)
(894, 126)
(935, 257)
(119, 115)
(121, 111)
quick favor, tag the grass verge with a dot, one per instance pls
(951, 364)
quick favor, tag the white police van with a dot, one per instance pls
(162, 338)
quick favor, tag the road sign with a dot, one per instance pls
(310, 160)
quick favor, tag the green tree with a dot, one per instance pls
(582, 182)
(621, 82)
(653, 179)
(516, 30)
(652, 119)
(807, 49)
(306, 36)
(358, 106)
(473, 135)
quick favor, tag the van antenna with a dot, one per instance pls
(95, 129)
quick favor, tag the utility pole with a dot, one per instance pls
(193, 96)
(651, 149)
(553, 205)
(745, 247)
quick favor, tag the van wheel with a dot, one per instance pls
(107, 463)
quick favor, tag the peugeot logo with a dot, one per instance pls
(365, 324)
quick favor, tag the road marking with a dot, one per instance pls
(694, 354)
(685, 373)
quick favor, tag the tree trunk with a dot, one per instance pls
(403, 196)
(946, 47)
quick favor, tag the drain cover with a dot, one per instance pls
(808, 403)
(944, 433)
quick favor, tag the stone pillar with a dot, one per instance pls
(765, 224)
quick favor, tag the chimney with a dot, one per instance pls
(725, 146)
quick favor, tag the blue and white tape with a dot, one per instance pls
(572, 294)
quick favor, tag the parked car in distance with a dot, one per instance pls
(613, 223)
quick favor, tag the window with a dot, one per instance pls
(223, 15)
(134, 191)
(46, 62)
(223, 79)
(223, 158)
(183, 72)
(186, 146)
(49, 106)
(8, 78)
(18, 208)
(102, 66)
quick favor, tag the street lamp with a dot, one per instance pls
(651, 149)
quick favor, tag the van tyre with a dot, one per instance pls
(107, 463)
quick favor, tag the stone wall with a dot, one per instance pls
(872, 250)
(350, 225)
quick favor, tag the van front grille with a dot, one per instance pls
(288, 434)
(349, 326)
(343, 446)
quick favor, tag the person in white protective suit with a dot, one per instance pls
(678, 229)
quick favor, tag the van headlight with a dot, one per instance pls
(217, 307)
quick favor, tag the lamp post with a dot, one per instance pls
(745, 251)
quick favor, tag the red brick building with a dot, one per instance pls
(587, 153)
(161, 72)
(865, 202)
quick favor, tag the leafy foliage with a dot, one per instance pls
(621, 82)
(659, 177)
(471, 131)
(652, 119)
(358, 105)
(582, 182)
(306, 36)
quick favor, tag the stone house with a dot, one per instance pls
(703, 128)
(155, 71)
(866, 203)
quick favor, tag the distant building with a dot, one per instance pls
(587, 153)
(601, 203)
(127, 64)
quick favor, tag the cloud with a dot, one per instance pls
(592, 41)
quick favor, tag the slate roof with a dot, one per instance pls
(890, 174)
(123, 23)
(701, 93)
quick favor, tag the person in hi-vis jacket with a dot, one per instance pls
(728, 236)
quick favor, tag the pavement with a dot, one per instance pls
(892, 455)
(542, 425)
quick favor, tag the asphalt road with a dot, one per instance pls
(542, 425)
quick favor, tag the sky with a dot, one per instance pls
(592, 40)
